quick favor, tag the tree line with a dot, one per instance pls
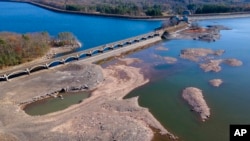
(122, 9)
(19, 48)
(150, 8)
(218, 8)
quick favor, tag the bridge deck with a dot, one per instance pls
(89, 52)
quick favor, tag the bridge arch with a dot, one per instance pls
(96, 51)
(19, 72)
(110, 47)
(82, 54)
(38, 67)
(2, 78)
(55, 61)
(70, 57)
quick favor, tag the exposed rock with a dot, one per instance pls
(216, 82)
(195, 98)
(212, 65)
(195, 54)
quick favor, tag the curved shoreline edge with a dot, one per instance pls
(192, 17)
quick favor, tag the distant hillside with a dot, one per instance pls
(150, 7)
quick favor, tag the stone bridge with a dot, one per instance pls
(139, 41)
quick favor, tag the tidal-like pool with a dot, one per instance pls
(52, 104)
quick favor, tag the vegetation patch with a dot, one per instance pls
(20, 48)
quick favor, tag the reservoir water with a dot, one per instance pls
(52, 104)
(229, 103)
(90, 30)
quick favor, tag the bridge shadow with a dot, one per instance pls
(2, 79)
(38, 68)
(17, 75)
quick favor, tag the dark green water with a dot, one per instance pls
(55, 104)
(229, 103)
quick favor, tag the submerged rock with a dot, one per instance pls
(170, 60)
(161, 48)
(233, 62)
(216, 82)
(194, 97)
(167, 59)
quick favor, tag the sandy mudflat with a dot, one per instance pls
(103, 116)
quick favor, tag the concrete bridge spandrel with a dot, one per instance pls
(90, 55)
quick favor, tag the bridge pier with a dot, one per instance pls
(6, 77)
(28, 71)
(47, 66)
(137, 40)
(101, 50)
(89, 53)
(111, 47)
(120, 45)
(77, 57)
(63, 61)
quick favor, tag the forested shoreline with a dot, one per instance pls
(148, 8)
(20, 48)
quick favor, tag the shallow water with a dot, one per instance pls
(90, 30)
(50, 105)
(229, 103)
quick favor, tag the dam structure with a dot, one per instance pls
(90, 55)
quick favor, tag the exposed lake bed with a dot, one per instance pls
(162, 94)
(93, 113)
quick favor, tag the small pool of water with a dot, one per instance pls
(50, 105)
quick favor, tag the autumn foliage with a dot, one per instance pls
(19, 48)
